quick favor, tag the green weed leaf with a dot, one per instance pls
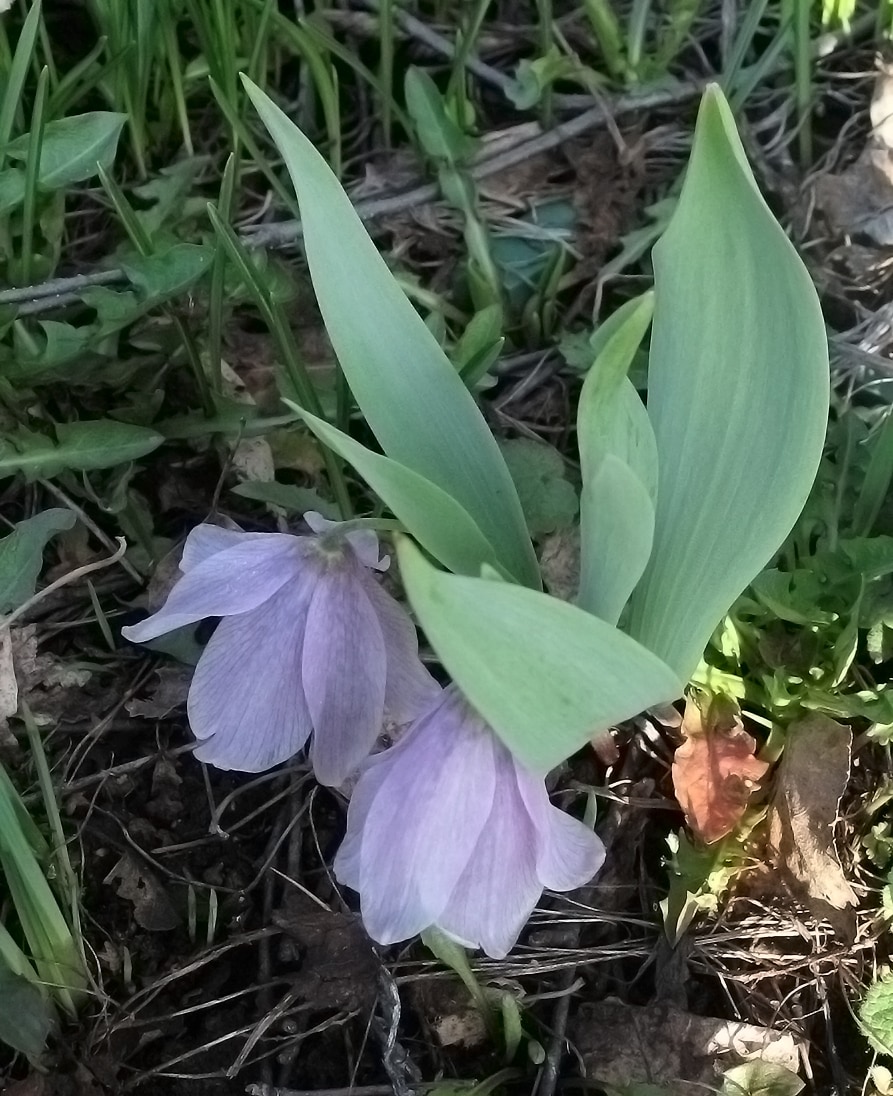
(79, 447)
(21, 555)
(548, 499)
(73, 149)
(27, 1017)
(876, 1015)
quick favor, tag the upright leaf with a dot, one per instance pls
(545, 675)
(737, 394)
(618, 456)
(430, 514)
(413, 399)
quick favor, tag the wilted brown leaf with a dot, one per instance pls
(812, 775)
(714, 770)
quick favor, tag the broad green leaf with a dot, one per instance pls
(21, 555)
(616, 535)
(545, 675)
(413, 399)
(737, 394)
(618, 458)
(431, 515)
(72, 147)
(26, 1018)
(79, 447)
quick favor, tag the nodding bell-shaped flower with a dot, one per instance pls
(447, 829)
(309, 641)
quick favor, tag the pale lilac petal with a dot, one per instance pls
(207, 540)
(364, 542)
(569, 854)
(410, 689)
(232, 581)
(347, 864)
(343, 668)
(246, 701)
(499, 888)
(424, 821)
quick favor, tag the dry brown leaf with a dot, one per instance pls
(714, 770)
(812, 776)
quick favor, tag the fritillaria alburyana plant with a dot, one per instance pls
(682, 504)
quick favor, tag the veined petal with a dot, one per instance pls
(348, 859)
(343, 669)
(569, 854)
(499, 888)
(424, 820)
(235, 580)
(206, 540)
(410, 690)
(246, 701)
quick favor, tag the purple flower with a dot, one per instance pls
(447, 829)
(308, 641)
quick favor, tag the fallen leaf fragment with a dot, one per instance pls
(715, 771)
(622, 1045)
(9, 687)
(812, 776)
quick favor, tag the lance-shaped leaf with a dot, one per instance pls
(618, 457)
(430, 514)
(545, 675)
(738, 395)
(415, 402)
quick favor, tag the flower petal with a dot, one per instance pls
(569, 854)
(348, 858)
(246, 701)
(343, 669)
(424, 820)
(410, 689)
(499, 888)
(206, 540)
(228, 582)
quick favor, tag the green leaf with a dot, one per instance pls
(876, 1015)
(437, 132)
(168, 273)
(414, 401)
(618, 457)
(738, 395)
(288, 496)
(73, 147)
(27, 1017)
(79, 447)
(760, 1078)
(548, 499)
(545, 675)
(21, 555)
(431, 515)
